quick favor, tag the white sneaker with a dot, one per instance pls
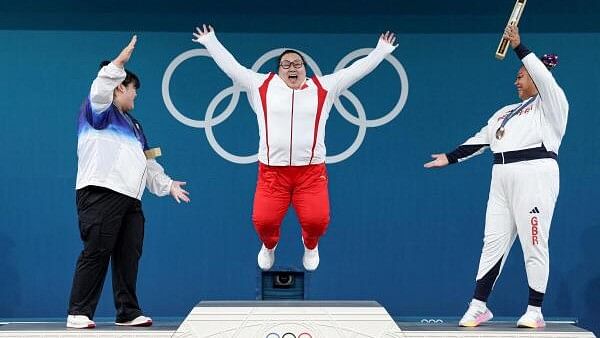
(532, 319)
(80, 322)
(310, 260)
(266, 258)
(138, 321)
(475, 315)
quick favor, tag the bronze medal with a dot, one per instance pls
(500, 133)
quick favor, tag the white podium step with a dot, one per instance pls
(289, 319)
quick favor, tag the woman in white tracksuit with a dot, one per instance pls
(525, 138)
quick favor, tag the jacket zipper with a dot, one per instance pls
(141, 186)
(292, 125)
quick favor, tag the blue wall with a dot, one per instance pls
(404, 236)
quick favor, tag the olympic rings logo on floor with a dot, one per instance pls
(289, 335)
(431, 321)
(210, 120)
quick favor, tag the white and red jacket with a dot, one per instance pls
(291, 122)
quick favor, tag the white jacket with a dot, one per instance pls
(110, 146)
(291, 122)
(542, 122)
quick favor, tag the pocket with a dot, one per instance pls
(81, 197)
(98, 237)
(85, 197)
(321, 174)
(267, 179)
(86, 227)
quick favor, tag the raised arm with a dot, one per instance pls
(109, 77)
(240, 75)
(344, 78)
(552, 97)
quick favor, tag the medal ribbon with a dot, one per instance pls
(516, 111)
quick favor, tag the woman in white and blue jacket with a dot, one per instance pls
(112, 173)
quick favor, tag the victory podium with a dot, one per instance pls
(288, 319)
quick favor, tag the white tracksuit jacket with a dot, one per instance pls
(291, 122)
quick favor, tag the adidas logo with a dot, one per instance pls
(534, 211)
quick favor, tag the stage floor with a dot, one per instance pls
(160, 329)
(494, 329)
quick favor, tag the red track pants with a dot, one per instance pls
(305, 187)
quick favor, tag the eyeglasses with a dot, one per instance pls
(286, 64)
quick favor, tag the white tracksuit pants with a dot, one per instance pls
(521, 201)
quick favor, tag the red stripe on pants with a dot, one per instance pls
(305, 187)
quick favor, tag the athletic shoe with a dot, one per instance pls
(310, 260)
(138, 321)
(266, 258)
(532, 319)
(80, 322)
(475, 315)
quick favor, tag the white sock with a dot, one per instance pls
(273, 249)
(537, 309)
(478, 303)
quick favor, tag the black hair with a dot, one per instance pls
(130, 77)
(288, 51)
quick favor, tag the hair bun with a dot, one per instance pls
(550, 60)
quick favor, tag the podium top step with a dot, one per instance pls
(290, 303)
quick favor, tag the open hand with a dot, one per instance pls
(440, 160)
(178, 193)
(122, 59)
(388, 37)
(201, 32)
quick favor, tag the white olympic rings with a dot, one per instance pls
(210, 120)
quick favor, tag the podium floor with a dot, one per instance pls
(291, 319)
(103, 329)
(163, 329)
(492, 329)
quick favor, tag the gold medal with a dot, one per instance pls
(500, 133)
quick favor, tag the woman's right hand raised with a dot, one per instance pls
(125, 54)
(200, 32)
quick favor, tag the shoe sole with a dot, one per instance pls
(265, 268)
(475, 323)
(532, 326)
(89, 326)
(144, 324)
(310, 270)
(471, 324)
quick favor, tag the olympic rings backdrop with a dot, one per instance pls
(362, 122)
(399, 234)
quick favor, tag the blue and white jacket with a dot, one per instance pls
(111, 144)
